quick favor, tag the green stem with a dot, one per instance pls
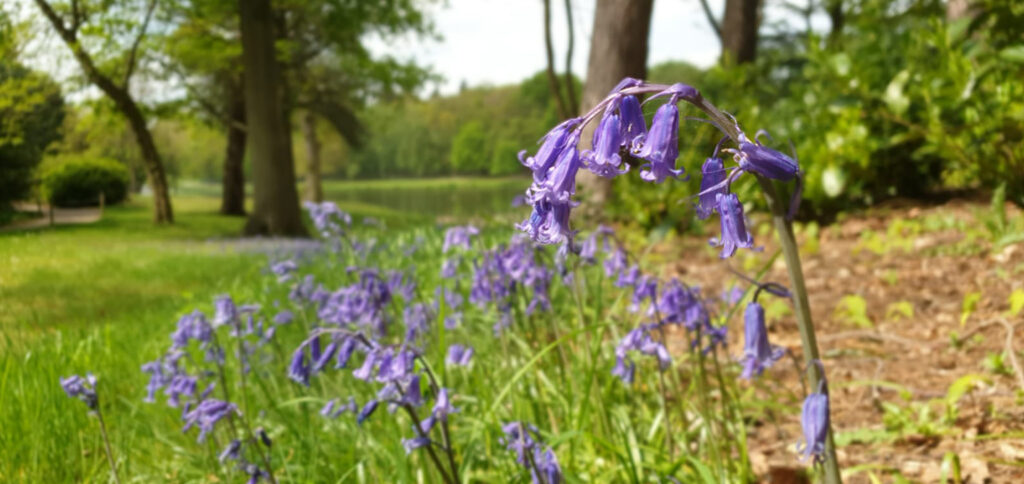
(106, 445)
(802, 306)
(784, 228)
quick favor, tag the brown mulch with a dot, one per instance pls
(913, 358)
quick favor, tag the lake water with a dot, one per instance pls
(458, 199)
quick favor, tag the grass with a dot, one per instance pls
(105, 297)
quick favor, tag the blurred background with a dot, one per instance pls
(881, 99)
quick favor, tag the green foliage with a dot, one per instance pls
(970, 304)
(76, 181)
(901, 103)
(477, 131)
(470, 152)
(1016, 302)
(31, 113)
(899, 310)
(853, 309)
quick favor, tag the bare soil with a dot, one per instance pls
(900, 361)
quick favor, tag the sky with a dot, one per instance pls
(490, 41)
(502, 41)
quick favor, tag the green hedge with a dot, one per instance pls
(78, 181)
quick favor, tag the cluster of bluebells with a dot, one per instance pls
(663, 304)
(622, 132)
(82, 388)
(234, 451)
(524, 440)
(196, 358)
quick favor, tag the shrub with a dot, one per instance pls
(78, 181)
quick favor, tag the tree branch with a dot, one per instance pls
(563, 110)
(130, 68)
(711, 18)
(570, 88)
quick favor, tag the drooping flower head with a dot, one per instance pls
(604, 159)
(814, 419)
(660, 146)
(734, 227)
(207, 414)
(758, 353)
(82, 388)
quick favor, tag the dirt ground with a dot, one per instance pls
(895, 257)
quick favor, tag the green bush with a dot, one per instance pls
(78, 181)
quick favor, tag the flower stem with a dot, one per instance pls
(803, 311)
(106, 445)
(790, 251)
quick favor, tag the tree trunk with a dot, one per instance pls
(838, 19)
(556, 90)
(314, 189)
(618, 49)
(232, 200)
(739, 31)
(276, 208)
(162, 212)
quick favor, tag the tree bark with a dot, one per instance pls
(618, 49)
(157, 178)
(739, 31)
(314, 188)
(838, 19)
(553, 84)
(276, 208)
(232, 200)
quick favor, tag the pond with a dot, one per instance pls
(452, 199)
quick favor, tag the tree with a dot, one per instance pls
(469, 149)
(276, 208)
(204, 52)
(83, 25)
(31, 113)
(739, 30)
(618, 49)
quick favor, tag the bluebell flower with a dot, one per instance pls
(206, 414)
(559, 184)
(225, 310)
(459, 237)
(758, 354)
(548, 223)
(553, 143)
(284, 269)
(632, 122)
(712, 183)
(414, 443)
(757, 158)
(625, 370)
(299, 370)
(367, 410)
(328, 218)
(449, 268)
(660, 146)
(814, 419)
(734, 228)
(459, 355)
(615, 263)
(541, 461)
(81, 388)
(442, 406)
(232, 451)
(628, 278)
(604, 159)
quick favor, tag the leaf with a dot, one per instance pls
(899, 309)
(894, 97)
(962, 385)
(853, 309)
(971, 300)
(1016, 302)
(1013, 54)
